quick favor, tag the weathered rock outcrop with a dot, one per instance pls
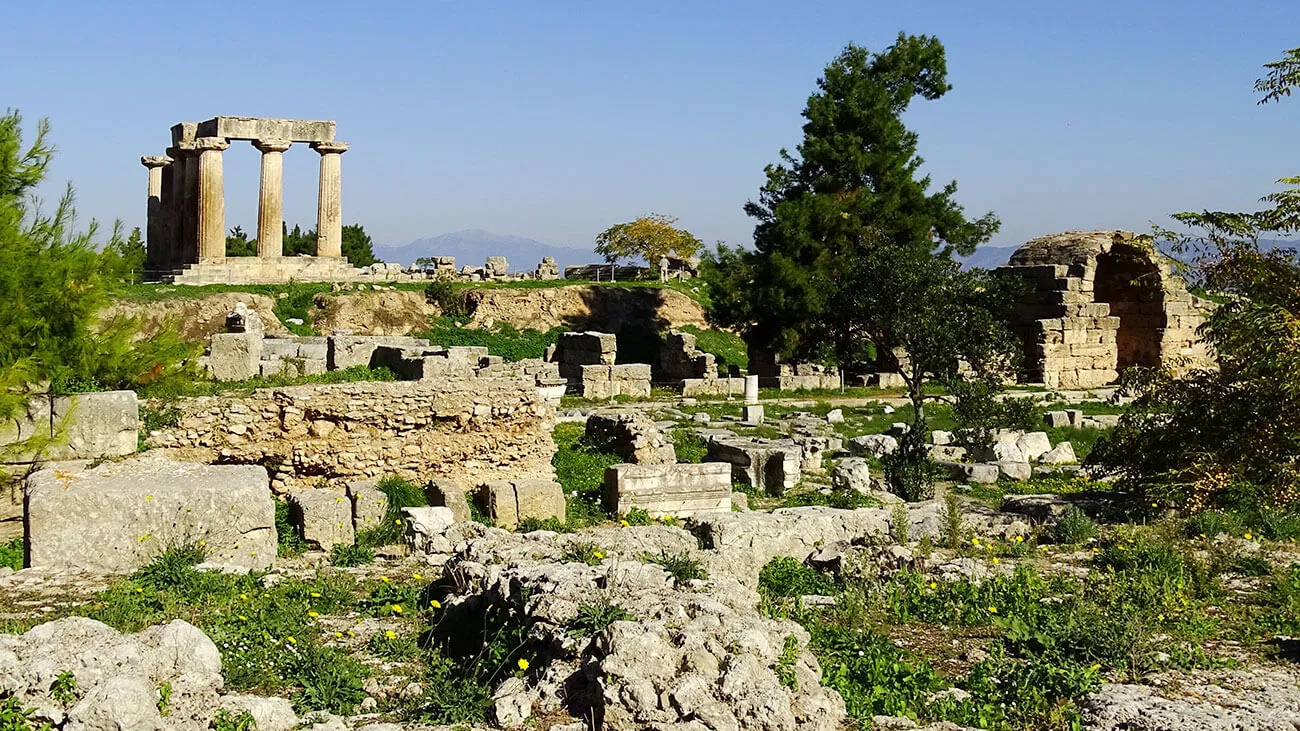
(117, 677)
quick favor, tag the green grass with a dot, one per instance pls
(11, 555)
(680, 566)
(503, 340)
(580, 470)
(689, 446)
(401, 493)
(727, 347)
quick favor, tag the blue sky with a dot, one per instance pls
(556, 119)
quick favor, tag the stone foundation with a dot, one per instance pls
(475, 430)
(772, 373)
(769, 466)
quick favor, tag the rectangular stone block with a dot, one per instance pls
(325, 517)
(497, 499)
(369, 505)
(629, 372)
(450, 494)
(235, 356)
(678, 490)
(119, 516)
(266, 128)
(94, 425)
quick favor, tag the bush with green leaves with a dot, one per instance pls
(344, 556)
(288, 534)
(595, 617)
(1072, 527)
(463, 666)
(400, 493)
(979, 412)
(786, 577)
(56, 284)
(689, 445)
(448, 297)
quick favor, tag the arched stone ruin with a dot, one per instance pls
(1099, 302)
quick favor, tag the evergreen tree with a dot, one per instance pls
(296, 241)
(853, 186)
(123, 260)
(238, 243)
(53, 283)
(357, 246)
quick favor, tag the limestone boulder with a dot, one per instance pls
(852, 473)
(369, 504)
(875, 445)
(119, 516)
(1062, 453)
(450, 494)
(677, 490)
(1033, 445)
(510, 503)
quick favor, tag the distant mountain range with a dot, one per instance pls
(473, 246)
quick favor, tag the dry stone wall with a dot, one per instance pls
(475, 430)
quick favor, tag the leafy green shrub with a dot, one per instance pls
(288, 535)
(908, 471)
(786, 577)
(226, 720)
(595, 617)
(329, 680)
(465, 665)
(784, 667)
(173, 568)
(344, 556)
(11, 555)
(1073, 527)
(553, 524)
(64, 688)
(401, 493)
(152, 419)
(689, 445)
(448, 297)
(979, 414)
(1252, 565)
(638, 516)
(680, 566)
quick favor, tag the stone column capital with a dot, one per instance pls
(204, 144)
(272, 145)
(326, 148)
(155, 161)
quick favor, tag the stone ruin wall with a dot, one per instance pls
(471, 430)
(1099, 302)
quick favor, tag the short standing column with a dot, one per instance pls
(155, 227)
(270, 208)
(329, 211)
(212, 199)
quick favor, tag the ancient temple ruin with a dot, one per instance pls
(1099, 302)
(187, 222)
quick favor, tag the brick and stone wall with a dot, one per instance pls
(473, 430)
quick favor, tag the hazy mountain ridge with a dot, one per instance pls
(473, 246)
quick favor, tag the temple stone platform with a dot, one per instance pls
(262, 270)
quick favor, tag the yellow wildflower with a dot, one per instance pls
(523, 664)
(623, 523)
(291, 640)
(242, 618)
(313, 615)
(397, 609)
(1248, 536)
(995, 559)
(390, 634)
(417, 577)
(147, 498)
(436, 604)
(315, 595)
(993, 610)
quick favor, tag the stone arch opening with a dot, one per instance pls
(1129, 282)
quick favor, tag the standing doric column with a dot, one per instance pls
(270, 206)
(329, 210)
(187, 203)
(174, 204)
(155, 226)
(211, 213)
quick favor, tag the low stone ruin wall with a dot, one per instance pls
(772, 373)
(471, 429)
(237, 356)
